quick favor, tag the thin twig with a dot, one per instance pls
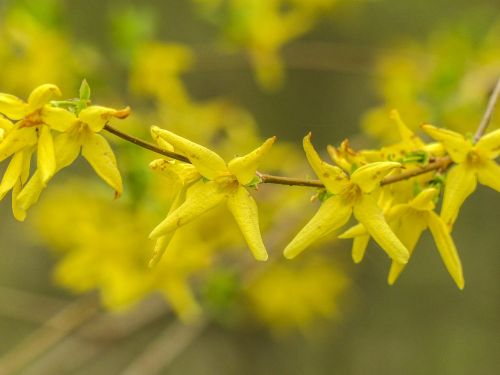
(485, 121)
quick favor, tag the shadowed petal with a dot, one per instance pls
(332, 214)
(17, 139)
(46, 159)
(490, 144)
(489, 174)
(447, 249)
(245, 167)
(208, 163)
(201, 197)
(182, 173)
(454, 143)
(359, 245)
(460, 183)
(370, 215)
(100, 156)
(12, 174)
(244, 209)
(368, 176)
(424, 201)
(354, 231)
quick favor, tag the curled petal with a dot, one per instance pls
(208, 163)
(370, 215)
(424, 201)
(368, 176)
(12, 174)
(332, 214)
(100, 156)
(46, 158)
(408, 229)
(244, 209)
(489, 174)
(17, 139)
(42, 95)
(454, 143)
(490, 144)
(333, 177)
(359, 245)
(446, 248)
(160, 141)
(245, 167)
(30, 194)
(58, 118)
(460, 183)
(182, 173)
(13, 107)
(201, 197)
(96, 117)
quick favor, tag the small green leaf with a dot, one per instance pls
(84, 91)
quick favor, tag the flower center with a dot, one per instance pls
(351, 193)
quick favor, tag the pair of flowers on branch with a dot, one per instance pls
(392, 192)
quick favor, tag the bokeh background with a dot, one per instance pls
(76, 296)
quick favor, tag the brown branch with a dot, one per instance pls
(440, 164)
(485, 121)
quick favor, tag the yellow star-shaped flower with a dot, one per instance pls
(221, 182)
(348, 195)
(474, 161)
(409, 220)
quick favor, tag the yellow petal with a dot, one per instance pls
(333, 177)
(163, 242)
(359, 245)
(244, 209)
(354, 231)
(489, 174)
(160, 141)
(17, 139)
(67, 148)
(100, 156)
(332, 214)
(424, 201)
(370, 215)
(245, 167)
(446, 248)
(46, 160)
(182, 173)
(368, 176)
(30, 193)
(5, 127)
(96, 117)
(490, 144)
(42, 95)
(13, 107)
(208, 163)
(58, 118)
(454, 143)
(408, 229)
(406, 134)
(18, 212)
(12, 174)
(460, 183)
(201, 197)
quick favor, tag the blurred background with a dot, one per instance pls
(76, 295)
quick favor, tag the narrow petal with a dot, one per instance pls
(490, 144)
(182, 173)
(245, 167)
(12, 174)
(18, 212)
(46, 159)
(489, 174)
(333, 177)
(460, 183)
(370, 215)
(244, 209)
(17, 139)
(13, 107)
(446, 248)
(408, 229)
(354, 231)
(368, 176)
(454, 143)
(359, 245)
(58, 118)
(42, 95)
(208, 163)
(332, 214)
(96, 117)
(67, 148)
(201, 197)
(406, 134)
(100, 156)
(424, 201)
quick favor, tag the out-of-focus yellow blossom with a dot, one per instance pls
(348, 195)
(474, 162)
(295, 295)
(81, 134)
(408, 221)
(224, 182)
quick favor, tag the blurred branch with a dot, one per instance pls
(485, 121)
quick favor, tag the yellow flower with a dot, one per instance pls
(408, 221)
(81, 135)
(221, 182)
(474, 161)
(348, 195)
